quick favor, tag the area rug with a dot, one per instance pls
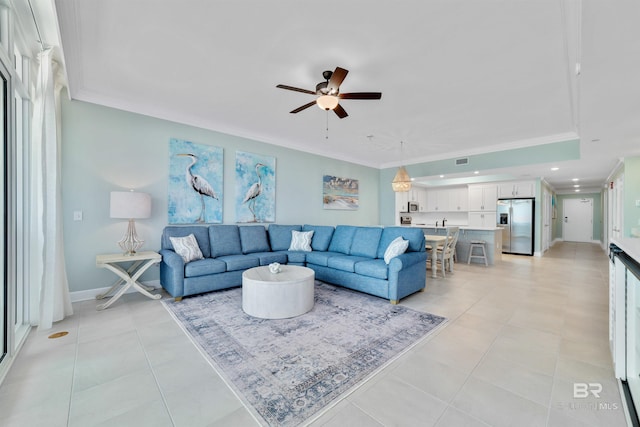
(286, 371)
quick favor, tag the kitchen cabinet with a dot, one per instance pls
(437, 200)
(482, 219)
(458, 199)
(516, 189)
(483, 197)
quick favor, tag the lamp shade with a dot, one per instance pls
(402, 182)
(130, 205)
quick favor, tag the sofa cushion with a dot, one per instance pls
(267, 258)
(239, 262)
(280, 236)
(322, 235)
(203, 267)
(365, 241)
(342, 239)
(320, 258)
(296, 257)
(345, 262)
(301, 240)
(253, 238)
(415, 236)
(200, 232)
(225, 240)
(187, 247)
(373, 268)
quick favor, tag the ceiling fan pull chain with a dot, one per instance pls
(327, 135)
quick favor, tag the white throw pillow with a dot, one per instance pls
(395, 248)
(187, 247)
(301, 240)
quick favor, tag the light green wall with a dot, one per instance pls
(597, 213)
(631, 194)
(105, 149)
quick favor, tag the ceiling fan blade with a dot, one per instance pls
(340, 111)
(304, 107)
(297, 89)
(360, 95)
(336, 79)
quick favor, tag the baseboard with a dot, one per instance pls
(90, 294)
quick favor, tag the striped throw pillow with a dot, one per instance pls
(395, 248)
(301, 240)
(187, 247)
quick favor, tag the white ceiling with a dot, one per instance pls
(457, 77)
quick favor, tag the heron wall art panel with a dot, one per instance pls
(195, 183)
(340, 193)
(255, 187)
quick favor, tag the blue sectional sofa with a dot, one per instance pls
(348, 256)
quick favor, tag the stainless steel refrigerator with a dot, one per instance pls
(516, 218)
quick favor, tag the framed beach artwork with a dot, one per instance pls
(255, 187)
(195, 183)
(340, 193)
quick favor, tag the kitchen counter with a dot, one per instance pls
(491, 235)
(630, 245)
(462, 227)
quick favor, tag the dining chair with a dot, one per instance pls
(445, 254)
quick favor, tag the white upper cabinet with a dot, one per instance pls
(483, 197)
(516, 189)
(437, 200)
(459, 199)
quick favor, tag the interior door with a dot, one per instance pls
(577, 222)
(546, 220)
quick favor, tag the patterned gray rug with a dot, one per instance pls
(288, 370)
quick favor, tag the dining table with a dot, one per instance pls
(434, 240)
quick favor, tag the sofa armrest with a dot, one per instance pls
(407, 259)
(172, 273)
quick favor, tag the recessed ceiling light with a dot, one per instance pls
(577, 190)
(555, 168)
(575, 179)
(441, 176)
(476, 172)
(413, 179)
(576, 185)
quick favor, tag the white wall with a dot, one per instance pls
(106, 149)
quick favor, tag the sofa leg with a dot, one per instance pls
(177, 299)
(393, 301)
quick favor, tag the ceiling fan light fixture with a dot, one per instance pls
(327, 102)
(402, 181)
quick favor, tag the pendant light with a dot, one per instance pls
(402, 181)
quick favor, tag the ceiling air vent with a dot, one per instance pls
(462, 161)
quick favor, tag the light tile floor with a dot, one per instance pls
(520, 334)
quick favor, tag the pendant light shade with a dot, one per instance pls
(402, 181)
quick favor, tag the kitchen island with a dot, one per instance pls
(491, 235)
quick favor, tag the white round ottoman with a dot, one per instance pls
(267, 295)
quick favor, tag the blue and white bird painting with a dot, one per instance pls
(255, 187)
(195, 183)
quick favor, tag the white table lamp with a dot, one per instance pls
(130, 205)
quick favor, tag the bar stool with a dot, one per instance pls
(480, 245)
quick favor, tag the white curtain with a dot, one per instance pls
(47, 248)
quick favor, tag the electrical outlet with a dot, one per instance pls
(77, 215)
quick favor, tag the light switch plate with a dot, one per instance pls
(77, 215)
(637, 203)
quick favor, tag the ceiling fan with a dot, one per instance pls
(328, 93)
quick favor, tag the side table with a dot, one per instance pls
(128, 278)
